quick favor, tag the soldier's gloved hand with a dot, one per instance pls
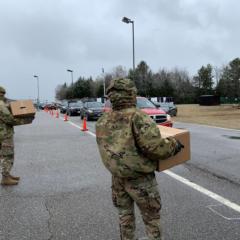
(30, 119)
(27, 120)
(178, 147)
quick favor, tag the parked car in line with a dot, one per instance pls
(157, 114)
(63, 107)
(41, 105)
(169, 107)
(92, 110)
(74, 108)
(51, 106)
(87, 99)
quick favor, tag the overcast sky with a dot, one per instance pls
(46, 37)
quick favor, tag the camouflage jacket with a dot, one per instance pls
(130, 143)
(7, 121)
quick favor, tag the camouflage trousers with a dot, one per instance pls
(6, 156)
(144, 192)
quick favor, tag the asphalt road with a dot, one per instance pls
(65, 191)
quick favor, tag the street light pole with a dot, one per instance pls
(37, 91)
(133, 46)
(71, 71)
(104, 85)
(128, 20)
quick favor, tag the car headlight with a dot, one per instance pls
(169, 117)
(90, 111)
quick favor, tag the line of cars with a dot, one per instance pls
(92, 110)
(160, 112)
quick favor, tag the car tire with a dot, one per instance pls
(87, 117)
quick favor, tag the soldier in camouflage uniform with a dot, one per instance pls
(130, 146)
(7, 122)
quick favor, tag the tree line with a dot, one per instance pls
(222, 81)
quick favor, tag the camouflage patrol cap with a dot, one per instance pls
(122, 93)
(122, 84)
(2, 90)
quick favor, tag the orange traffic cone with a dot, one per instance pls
(65, 118)
(84, 126)
(57, 114)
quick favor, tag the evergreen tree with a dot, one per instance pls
(204, 80)
(229, 83)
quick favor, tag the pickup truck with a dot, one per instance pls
(157, 114)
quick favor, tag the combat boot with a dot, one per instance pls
(14, 177)
(7, 180)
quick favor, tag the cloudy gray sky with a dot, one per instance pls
(45, 37)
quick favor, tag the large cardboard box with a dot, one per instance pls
(22, 108)
(184, 155)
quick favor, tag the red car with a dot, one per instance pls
(157, 114)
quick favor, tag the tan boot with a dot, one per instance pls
(14, 177)
(7, 180)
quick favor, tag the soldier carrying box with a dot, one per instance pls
(131, 146)
(7, 123)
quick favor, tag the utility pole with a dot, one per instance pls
(38, 101)
(104, 84)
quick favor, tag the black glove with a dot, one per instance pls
(178, 147)
(27, 120)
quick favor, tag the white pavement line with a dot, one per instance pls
(74, 124)
(185, 181)
(77, 126)
(211, 208)
(204, 191)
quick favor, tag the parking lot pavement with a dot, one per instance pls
(65, 192)
(216, 150)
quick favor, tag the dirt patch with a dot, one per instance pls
(226, 115)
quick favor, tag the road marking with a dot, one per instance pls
(77, 126)
(204, 191)
(185, 181)
(211, 207)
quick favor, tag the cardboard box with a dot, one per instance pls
(22, 108)
(184, 155)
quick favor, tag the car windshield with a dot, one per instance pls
(94, 105)
(144, 103)
(64, 103)
(75, 104)
(166, 104)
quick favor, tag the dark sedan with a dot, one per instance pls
(92, 110)
(169, 107)
(63, 107)
(74, 108)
